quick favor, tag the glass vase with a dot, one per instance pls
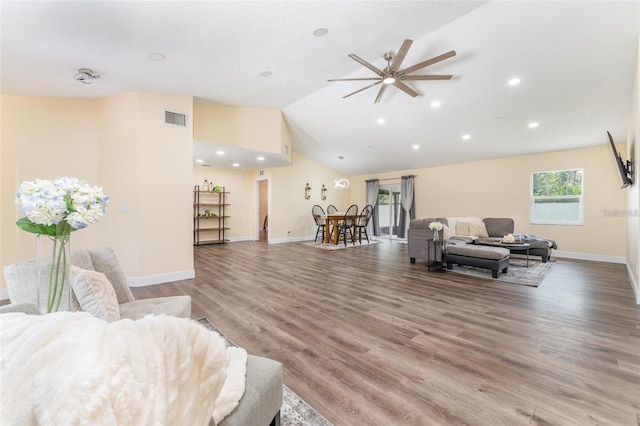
(436, 235)
(54, 268)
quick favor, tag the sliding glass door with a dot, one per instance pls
(389, 206)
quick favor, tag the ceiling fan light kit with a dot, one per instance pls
(393, 75)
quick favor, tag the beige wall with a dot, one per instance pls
(241, 185)
(289, 213)
(250, 128)
(44, 138)
(500, 188)
(121, 144)
(633, 195)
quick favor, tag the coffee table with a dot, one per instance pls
(513, 247)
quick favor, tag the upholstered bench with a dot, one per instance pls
(461, 253)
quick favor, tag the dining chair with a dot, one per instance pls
(348, 223)
(331, 209)
(318, 216)
(363, 221)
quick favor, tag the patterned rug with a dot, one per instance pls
(518, 273)
(294, 411)
(340, 245)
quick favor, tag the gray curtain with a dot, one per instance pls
(372, 198)
(407, 199)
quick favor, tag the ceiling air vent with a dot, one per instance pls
(175, 118)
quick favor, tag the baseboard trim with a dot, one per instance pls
(588, 256)
(634, 284)
(289, 240)
(239, 239)
(161, 278)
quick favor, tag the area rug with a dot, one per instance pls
(340, 245)
(294, 411)
(518, 273)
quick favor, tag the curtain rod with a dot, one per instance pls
(393, 178)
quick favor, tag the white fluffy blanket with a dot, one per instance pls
(70, 368)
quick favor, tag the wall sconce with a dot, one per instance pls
(307, 192)
(323, 193)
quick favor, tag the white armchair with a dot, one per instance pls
(21, 284)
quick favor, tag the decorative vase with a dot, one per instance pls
(436, 235)
(53, 282)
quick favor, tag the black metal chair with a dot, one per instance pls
(363, 221)
(318, 216)
(331, 209)
(348, 223)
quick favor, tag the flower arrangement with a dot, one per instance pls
(55, 208)
(508, 239)
(435, 226)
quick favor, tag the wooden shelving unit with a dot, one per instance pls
(209, 218)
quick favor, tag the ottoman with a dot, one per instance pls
(494, 258)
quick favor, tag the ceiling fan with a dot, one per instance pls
(392, 75)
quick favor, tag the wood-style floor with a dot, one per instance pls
(367, 338)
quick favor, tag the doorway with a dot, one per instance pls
(389, 208)
(262, 216)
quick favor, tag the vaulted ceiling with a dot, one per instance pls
(575, 62)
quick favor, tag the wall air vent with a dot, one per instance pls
(175, 118)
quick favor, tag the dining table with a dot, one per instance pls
(333, 220)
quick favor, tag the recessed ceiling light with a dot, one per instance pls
(341, 157)
(155, 56)
(466, 137)
(534, 125)
(435, 104)
(236, 165)
(220, 152)
(265, 74)
(514, 81)
(260, 158)
(416, 147)
(199, 160)
(380, 121)
(320, 32)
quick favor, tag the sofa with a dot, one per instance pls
(21, 284)
(477, 231)
(262, 398)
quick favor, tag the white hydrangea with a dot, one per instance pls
(435, 226)
(50, 202)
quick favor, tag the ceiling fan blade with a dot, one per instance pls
(428, 62)
(425, 77)
(401, 54)
(408, 90)
(380, 92)
(365, 63)
(354, 79)
(364, 88)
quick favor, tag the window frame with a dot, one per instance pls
(533, 198)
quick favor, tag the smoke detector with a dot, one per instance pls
(86, 76)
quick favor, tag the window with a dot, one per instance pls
(556, 197)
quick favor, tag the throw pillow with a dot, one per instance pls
(446, 232)
(95, 294)
(462, 229)
(478, 229)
